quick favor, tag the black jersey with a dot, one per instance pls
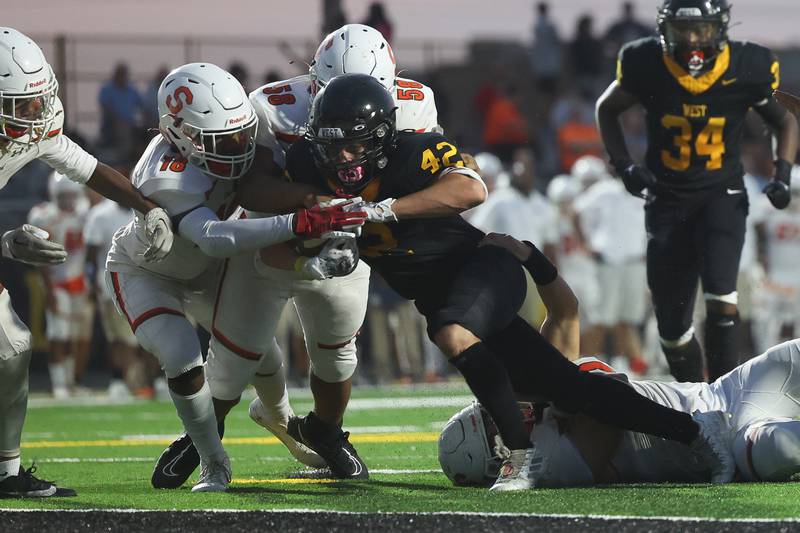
(410, 254)
(694, 125)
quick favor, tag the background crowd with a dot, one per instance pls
(526, 110)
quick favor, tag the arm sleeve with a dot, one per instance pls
(765, 74)
(70, 159)
(225, 238)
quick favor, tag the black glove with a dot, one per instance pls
(778, 189)
(635, 177)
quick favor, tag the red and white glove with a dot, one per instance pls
(320, 220)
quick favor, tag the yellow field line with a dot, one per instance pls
(356, 439)
(285, 481)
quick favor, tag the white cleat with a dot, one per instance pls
(215, 475)
(713, 444)
(517, 471)
(301, 452)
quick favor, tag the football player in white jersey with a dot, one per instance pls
(63, 217)
(574, 450)
(32, 127)
(206, 142)
(331, 310)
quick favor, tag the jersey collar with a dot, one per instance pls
(704, 82)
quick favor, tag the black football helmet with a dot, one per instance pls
(352, 128)
(693, 32)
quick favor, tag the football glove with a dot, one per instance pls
(380, 212)
(339, 257)
(322, 219)
(29, 244)
(635, 177)
(158, 230)
(778, 190)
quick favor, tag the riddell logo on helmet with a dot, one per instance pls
(37, 83)
(237, 119)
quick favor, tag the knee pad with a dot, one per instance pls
(228, 373)
(679, 341)
(272, 360)
(173, 340)
(769, 450)
(333, 363)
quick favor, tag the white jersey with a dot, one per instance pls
(102, 222)
(283, 106)
(782, 229)
(56, 149)
(178, 187)
(612, 221)
(65, 228)
(765, 387)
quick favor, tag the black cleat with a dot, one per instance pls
(26, 485)
(331, 443)
(178, 462)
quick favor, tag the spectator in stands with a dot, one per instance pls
(332, 16)
(121, 106)
(624, 30)
(377, 19)
(577, 135)
(505, 129)
(586, 57)
(546, 53)
(150, 98)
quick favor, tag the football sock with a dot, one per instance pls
(685, 361)
(722, 343)
(58, 375)
(540, 370)
(271, 390)
(69, 364)
(489, 382)
(197, 413)
(9, 467)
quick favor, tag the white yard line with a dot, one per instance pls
(698, 519)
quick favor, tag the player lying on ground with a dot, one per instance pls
(415, 187)
(331, 306)
(193, 167)
(32, 127)
(575, 450)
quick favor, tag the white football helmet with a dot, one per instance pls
(562, 189)
(64, 192)
(589, 169)
(207, 116)
(466, 448)
(28, 89)
(492, 170)
(353, 48)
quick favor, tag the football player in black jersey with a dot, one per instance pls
(696, 87)
(414, 187)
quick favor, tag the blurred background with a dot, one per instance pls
(515, 81)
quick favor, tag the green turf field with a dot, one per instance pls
(106, 452)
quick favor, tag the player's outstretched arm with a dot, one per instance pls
(263, 190)
(561, 326)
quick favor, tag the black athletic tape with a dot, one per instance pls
(541, 269)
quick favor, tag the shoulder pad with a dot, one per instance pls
(416, 106)
(284, 105)
(159, 169)
(757, 64)
(636, 59)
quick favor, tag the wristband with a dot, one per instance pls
(539, 266)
